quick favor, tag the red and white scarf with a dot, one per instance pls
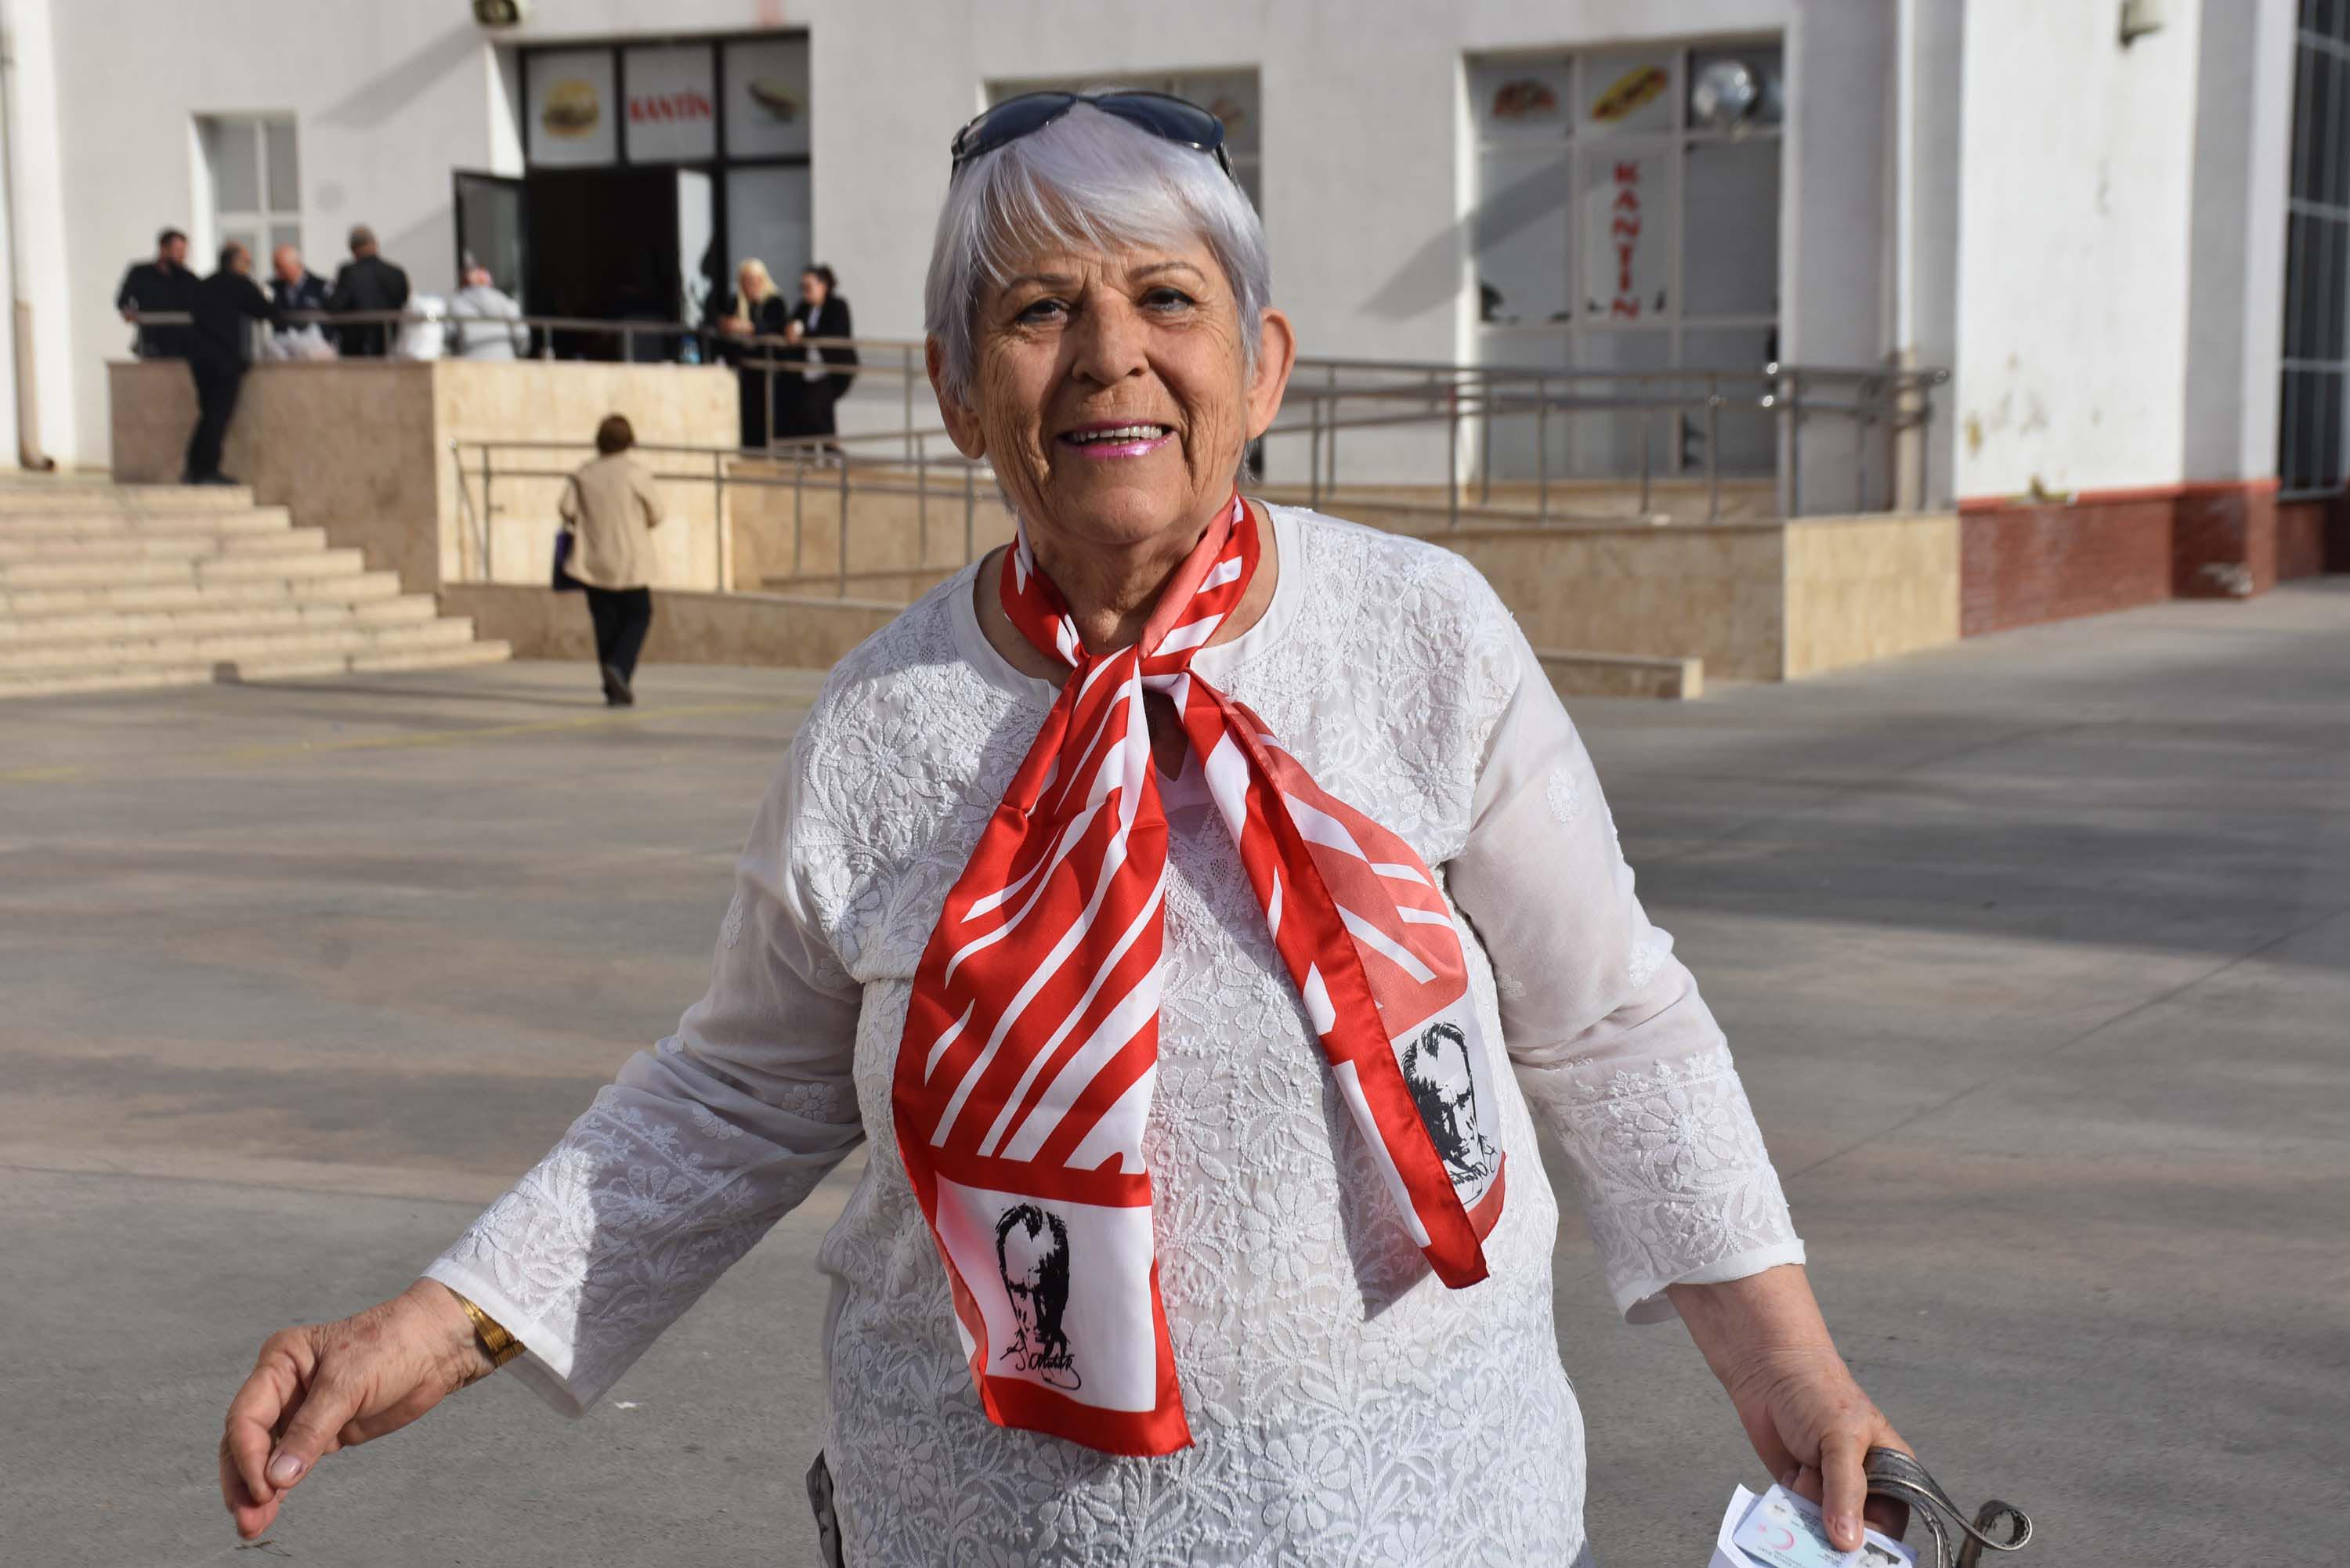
(1024, 1080)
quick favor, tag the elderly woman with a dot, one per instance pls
(755, 309)
(1199, 907)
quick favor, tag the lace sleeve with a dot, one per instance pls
(682, 1164)
(1614, 1046)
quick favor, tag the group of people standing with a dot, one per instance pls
(220, 307)
(806, 385)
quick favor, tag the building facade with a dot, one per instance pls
(2095, 229)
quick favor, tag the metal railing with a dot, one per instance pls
(817, 463)
(1879, 409)
(1877, 404)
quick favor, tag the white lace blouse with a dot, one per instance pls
(1346, 1407)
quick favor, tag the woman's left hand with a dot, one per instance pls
(1809, 1421)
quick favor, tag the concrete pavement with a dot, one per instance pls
(2035, 952)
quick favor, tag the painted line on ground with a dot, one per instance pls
(242, 756)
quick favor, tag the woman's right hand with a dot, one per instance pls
(330, 1386)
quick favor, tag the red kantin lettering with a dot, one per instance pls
(1625, 226)
(674, 106)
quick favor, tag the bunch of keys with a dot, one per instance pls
(1784, 1530)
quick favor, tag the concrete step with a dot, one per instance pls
(92, 523)
(297, 645)
(152, 547)
(99, 573)
(124, 497)
(456, 656)
(130, 678)
(216, 593)
(53, 625)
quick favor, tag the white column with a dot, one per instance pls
(1928, 45)
(37, 220)
(2243, 137)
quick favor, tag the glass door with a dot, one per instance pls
(490, 230)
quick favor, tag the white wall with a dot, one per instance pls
(387, 100)
(1362, 176)
(2073, 247)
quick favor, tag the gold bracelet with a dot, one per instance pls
(497, 1343)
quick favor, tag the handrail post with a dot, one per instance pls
(1485, 444)
(1330, 442)
(489, 521)
(718, 519)
(1923, 396)
(1713, 449)
(841, 565)
(1314, 454)
(1541, 450)
(1648, 434)
(1861, 395)
(1452, 457)
(799, 498)
(767, 422)
(1794, 443)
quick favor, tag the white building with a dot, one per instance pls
(2090, 229)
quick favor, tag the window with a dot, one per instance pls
(736, 109)
(2310, 412)
(1232, 96)
(1628, 219)
(257, 183)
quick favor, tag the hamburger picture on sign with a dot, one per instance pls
(571, 110)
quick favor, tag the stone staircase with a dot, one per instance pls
(107, 587)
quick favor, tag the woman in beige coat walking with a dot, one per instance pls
(609, 508)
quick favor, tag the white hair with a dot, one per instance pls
(1088, 182)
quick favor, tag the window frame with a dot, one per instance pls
(2315, 463)
(721, 162)
(264, 221)
(1674, 140)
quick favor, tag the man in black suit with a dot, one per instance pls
(163, 284)
(224, 304)
(367, 282)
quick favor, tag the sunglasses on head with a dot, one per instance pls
(1165, 116)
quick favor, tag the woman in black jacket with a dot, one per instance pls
(806, 390)
(756, 309)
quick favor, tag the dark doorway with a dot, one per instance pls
(614, 244)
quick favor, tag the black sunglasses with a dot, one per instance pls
(1165, 116)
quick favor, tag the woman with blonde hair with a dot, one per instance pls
(755, 309)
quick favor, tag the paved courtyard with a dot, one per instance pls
(2035, 952)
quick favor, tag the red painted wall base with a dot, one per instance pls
(2022, 562)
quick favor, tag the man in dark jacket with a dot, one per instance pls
(163, 284)
(224, 303)
(367, 282)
